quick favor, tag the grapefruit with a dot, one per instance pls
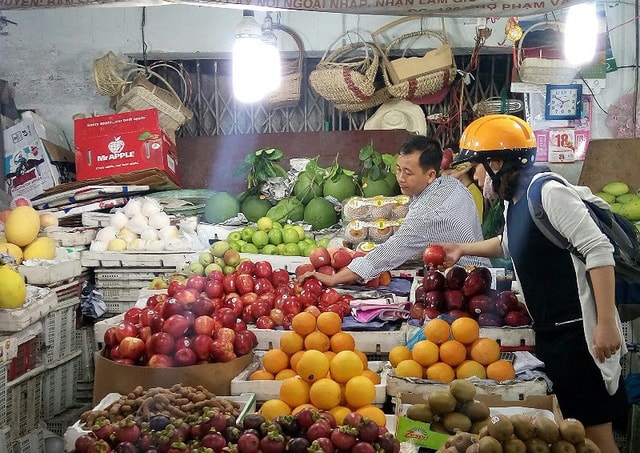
(220, 207)
(22, 225)
(307, 188)
(373, 187)
(13, 291)
(42, 248)
(253, 207)
(340, 188)
(320, 213)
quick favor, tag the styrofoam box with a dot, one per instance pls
(247, 400)
(510, 337)
(511, 390)
(104, 275)
(166, 259)
(368, 342)
(70, 237)
(40, 301)
(46, 272)
(101, 327)
(278, 261)
(266, 389)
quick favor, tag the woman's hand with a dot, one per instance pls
(453, 251)
(606, 340)
(325, 279)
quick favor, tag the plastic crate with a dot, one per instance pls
(85, 342)
(58, 385)
(107, 274)
(3, 399)
(165, 259)
(59, 424)
(59, 329)
(33, 442)
(116, 308)
(40, 301)
(24, 404)
(120, 294)
(49, 271)
(4, 440)
(84, 392)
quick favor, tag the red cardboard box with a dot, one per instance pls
(121, 143)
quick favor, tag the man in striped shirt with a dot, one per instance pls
(441, 210)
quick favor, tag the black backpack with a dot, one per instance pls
(622, 234)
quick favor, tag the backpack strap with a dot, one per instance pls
(540, 218)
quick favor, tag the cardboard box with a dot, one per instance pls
(122, 143)
(37, 157)
(113, 377)
(420, 433)
(609, 160)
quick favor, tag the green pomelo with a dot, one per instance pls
(371, 188)
(320, 213)
(305, 188)
(631, 210)
(342, 188)
(616, 188)
(220, 207)
(606, 197)
(392, 182)
(254, 207)
(627, 197)
(287, 209)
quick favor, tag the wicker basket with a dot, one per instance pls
(347, 75)
(142, 94)
(288, 94)
(541, 70)
(429, 74)
(109, 74)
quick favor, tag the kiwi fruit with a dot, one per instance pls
(473, 448)
(537, 445)
(484, 431)
(523, 426)
(489, 444)
(442, 402)
(546, 429)
(447, 450)
(586, 446)
(477, 426)
(455, 421)
(462, 390)
(562, 446)
(500, 427)
(514, 445)
(571, 430)
(438, 427)
(461, 441)
(420, 412)
(475, 410)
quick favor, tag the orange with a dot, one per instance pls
(465, 330)
(284, 374)
(452, 352)
(293, 360)
(399, 353)
(313, 365)
(329, 323)
(425, 352)
(339, 412)
(291, 342)
(374, 413)
(385, 278)
(437, 330)
(330, 355)
(485, 350)
(359, 391)
(409, 368)
(294, 391)
(303, 323)
(317, 340)
(271, 409)
(342, 341)
(325, 394)
(375, 377)
(440, 371)
(363, 358)
(470, 368)
(275, 360)
(261, 375)
(345, 365)
(501, 370)
(302, 406)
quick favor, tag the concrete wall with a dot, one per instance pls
(48, 56)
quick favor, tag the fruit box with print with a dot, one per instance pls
(121, 143)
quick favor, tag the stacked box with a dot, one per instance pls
(24, 404)
(85, 342)
(60, 330)
(59, 424)
(58, 385)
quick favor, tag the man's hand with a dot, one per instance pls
(453, 251)
(326, 280)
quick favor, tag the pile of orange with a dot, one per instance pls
(452, 351)
(319, 366)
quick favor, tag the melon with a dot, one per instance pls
(220, 207)
(307, 188)
(373, 187)
(42, 248)
(341, 188)
(13, 291)
(22, 226)
(320, 213)
(253, 207)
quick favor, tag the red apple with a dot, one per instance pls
(245, 267)
(341, 258)
(291, 306)
(203, 325)
(434, 299)
(308, 298)
(176, 325)
(215, 275)
(516, 319)
(240, 325)
(133, 315)
(244, 283)
(174, 287)
(196, 281)
(319, 257)
(481, 304)
(263, 285)
(235, 304)
(433, 280)
(302, 268)
(183, 342)
(328, 270)
(185, 357)
(329, 296)
(263, 269)
(265, 322)
(313, 285)
(507, 301)
(201, 344)
(152, 301)
(156, 323)
(454, 299)
(131, 348)
(160, 361)
(313, 309)
(244, 342)
(161, 343)
(171, 307)
(248, 298)
(434, 256)
(227, 317)
(145, 316)
(110, 338)
(222, 351)
(144, 333)
(260, 308)
(186, 297)
(125, 329)
(202, 306)
(280, 276)
(246, 315)
(277, 315)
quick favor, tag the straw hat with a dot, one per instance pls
(398, 114)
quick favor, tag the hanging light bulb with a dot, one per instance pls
(256, 64)
(581, 33)
(273, 75)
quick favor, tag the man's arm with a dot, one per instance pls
(607, 336)
(489, 248)
(344, 275)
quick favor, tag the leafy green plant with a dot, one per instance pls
(262, 165)
(375, 165)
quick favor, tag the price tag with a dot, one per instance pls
(562, 142)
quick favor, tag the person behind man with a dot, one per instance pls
(578, 333)
(441, 210)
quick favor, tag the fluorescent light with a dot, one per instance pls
(256, 63)
(581, 33)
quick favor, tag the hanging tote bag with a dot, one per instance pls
(413, 78)
(541, 64)
(288, 94)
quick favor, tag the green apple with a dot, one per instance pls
(218, 248)
(300, 231)
(249, 248)
(247, 232)
(227, 270)
(206, 258)
(323, 242)
(195, 268)
(212, 267)
(269, 249)
(264, 224)
(234, 236)
(275, 236)
(260, 238)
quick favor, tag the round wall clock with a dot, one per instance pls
(563, 102)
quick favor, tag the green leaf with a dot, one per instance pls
(389, 159)
(259, 152)
(374, 173)
(366, 152)
(250, 158)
